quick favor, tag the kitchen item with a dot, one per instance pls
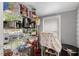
(8, 52)
(18, 24)
(5, 24)
(33, 11)
(23, 10)
(9, 24)
(6, 38)
(26, 22)
(37, 51)
(37, 20)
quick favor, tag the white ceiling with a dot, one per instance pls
(47, 8)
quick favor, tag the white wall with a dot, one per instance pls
(78, 28)
(1, 29)
(68, 27)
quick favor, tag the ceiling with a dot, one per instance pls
(47, 8)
